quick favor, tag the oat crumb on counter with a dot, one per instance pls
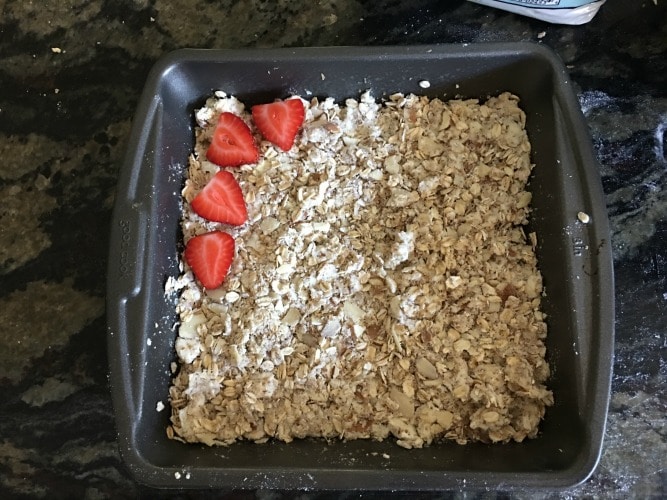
(384, 285)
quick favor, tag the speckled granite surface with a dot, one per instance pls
(70, 75)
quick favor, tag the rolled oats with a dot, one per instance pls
(383, 285)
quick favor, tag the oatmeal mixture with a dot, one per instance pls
(383, 284)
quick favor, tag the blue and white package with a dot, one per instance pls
(552, 11)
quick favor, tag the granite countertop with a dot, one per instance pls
(70, 77)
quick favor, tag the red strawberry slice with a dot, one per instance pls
(232, 144)
(279, 121)
(209, 256)
(221, 200)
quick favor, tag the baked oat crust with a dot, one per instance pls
(383, 285)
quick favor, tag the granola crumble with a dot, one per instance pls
(383, 285)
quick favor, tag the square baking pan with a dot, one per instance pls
(574, 258)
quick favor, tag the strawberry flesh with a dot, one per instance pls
(279, 121)
(209, 256)
(221, 200)
(232, 144)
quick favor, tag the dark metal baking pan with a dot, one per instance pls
(575, 260)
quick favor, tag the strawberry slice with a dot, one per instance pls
(221, 200)
(209, 256)
(232, 144)
(279, 121)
